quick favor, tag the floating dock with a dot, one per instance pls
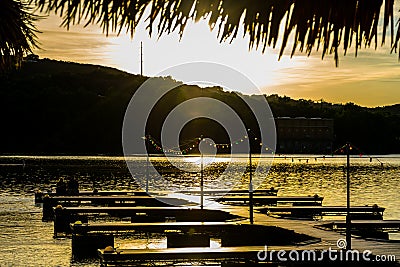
(240, 242)
(378, 229)
(268, 192)
(108, 201)
(135, 256)
(40, 195)
(273, 200)
(386, 225)
(328, 238)
(153, 227)
(66, 215)
(259, 233)
(356, 212)
(210, 192)
(186, 234)
(246, 256)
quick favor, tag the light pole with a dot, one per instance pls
(251, 204)
(201, 183)
(348, 217)
(201, 174)
(147, 174)
(251, 189)
(145, 138)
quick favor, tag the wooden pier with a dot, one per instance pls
(274, 200)
(240, 242)
(135, 256)
(356, 212)
(66, 215)
(246, 256)
(386, 225)
(108, 201)
(262, 192)
(162, 227)
(328, 238)
(40, 195)
(378, 229)
(114, 200)
(186, 234)
(258, 234)
(211, 192)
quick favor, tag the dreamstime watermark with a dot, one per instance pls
(333, 255)
(221, 108)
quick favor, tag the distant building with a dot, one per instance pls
(304, 135)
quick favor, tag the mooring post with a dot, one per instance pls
(348, 216)
(48, 213)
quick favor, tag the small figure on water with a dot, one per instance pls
(72, 187)
(61, 188)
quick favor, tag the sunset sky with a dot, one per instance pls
(371, 79)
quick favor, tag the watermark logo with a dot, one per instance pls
(341, 243)
(219, 107)
(326, 255)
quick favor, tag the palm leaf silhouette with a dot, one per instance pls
(17, 33)
(323, 25)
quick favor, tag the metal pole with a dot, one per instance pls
(146, 138)
(251, 189)
(141, 58)
(147, 174)
(348, 219)
(201, 184)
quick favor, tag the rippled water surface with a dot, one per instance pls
(27, 241)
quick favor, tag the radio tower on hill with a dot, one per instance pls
(141, 58)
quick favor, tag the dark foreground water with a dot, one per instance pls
(27, 241)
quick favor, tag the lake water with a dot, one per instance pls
(27, 241)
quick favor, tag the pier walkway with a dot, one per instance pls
(64, 216)
(328, 238)
(273, 200)
(210, 192)
(387, 225)
(39, 195)
(357, 212)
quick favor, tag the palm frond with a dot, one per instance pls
(314, 24)
(17, 32)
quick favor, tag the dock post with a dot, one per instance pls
(48, 213)
(348, 218)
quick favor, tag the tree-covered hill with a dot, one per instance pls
(52, 107)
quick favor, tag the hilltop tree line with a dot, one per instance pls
(53, 107)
